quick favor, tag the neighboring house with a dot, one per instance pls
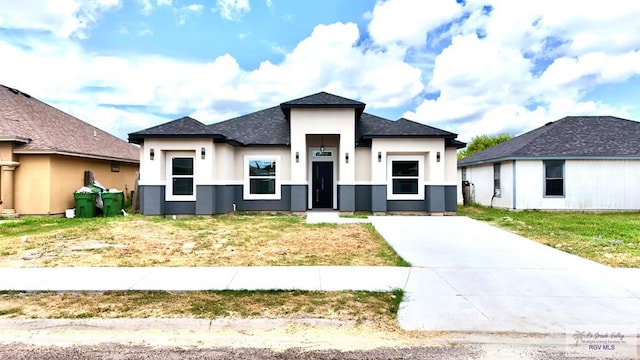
(575, 163)
(44, 153)
(317, 152)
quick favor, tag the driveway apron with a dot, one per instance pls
(471, 276)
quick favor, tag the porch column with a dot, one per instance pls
(6, 184)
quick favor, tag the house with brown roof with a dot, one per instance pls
(321, 151)
(44, 153)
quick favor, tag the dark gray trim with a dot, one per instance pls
(225, 198)
(220, 199)
(205, 200)
(450, 198)
(282, 204)
(179, 208)
(363, 198)
(347, 198)
(379, 198)
(298, 197)
(406, 205)
(152, 199)
(435, 198)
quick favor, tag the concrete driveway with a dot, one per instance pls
(470, 276)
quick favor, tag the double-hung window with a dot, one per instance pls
(262, 180)
(554, 178)
(180, 177)
(405, 178)
(496, 179)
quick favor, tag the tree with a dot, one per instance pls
(482, 142)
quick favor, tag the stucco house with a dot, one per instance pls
(575, 163)
(44, 153)
(317, 152)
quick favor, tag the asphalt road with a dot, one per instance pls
(121, 352)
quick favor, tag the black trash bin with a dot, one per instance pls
(466, 192)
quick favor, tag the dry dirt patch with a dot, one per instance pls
(233, 240)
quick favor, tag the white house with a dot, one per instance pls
(575, 163)
(317, 152)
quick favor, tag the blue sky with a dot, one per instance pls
(472, 67)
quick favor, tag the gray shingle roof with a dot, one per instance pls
(270, 127)
(184, 127)
(569, 137)
(39, 127)
(323, 99)
(372, 126)
(264, 127)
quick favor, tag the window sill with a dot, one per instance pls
(406, 197)
(263, 197)
(181, 198)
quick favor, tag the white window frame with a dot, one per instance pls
(169, 183)
(390, 194)
(246, 191)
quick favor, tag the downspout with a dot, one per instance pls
(513, 179)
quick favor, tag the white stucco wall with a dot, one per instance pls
(153, 172)
(589, 185)
(326, 122)
(363, 165)
(435, 173)
(224, 170)
(481, 179)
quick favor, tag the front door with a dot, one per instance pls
(322, 185)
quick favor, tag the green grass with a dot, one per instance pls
(356, 215)
(609, 238)
(357, 306)
(237, 239)
(386, 251)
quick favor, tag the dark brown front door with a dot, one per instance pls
(322, 185)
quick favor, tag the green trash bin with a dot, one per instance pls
(85, 204)
(112, 203)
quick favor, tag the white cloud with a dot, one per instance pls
(407, 22)
(148, 7)
(185, 12)
(63, 18)
(145, 32)
(233, 9)
(328, 59)
(512, 65)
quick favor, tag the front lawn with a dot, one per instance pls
(609, 238)
(239, 239)
(353, 306)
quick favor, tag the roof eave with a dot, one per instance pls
(369, 137)
(75, 154)
(549, 157)
(139, 138)
(15, 138)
